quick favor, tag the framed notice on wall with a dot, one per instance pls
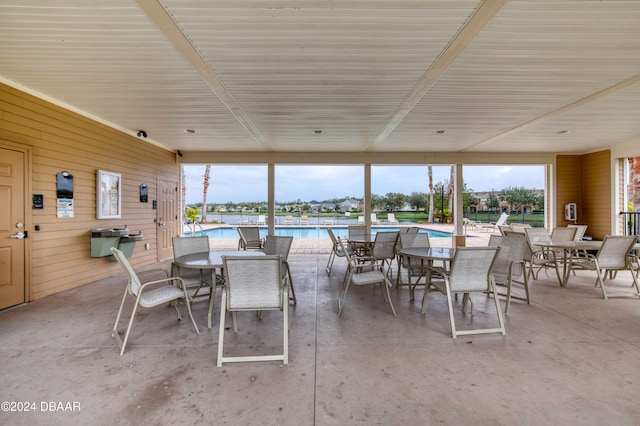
(108, 195)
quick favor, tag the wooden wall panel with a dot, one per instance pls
(585, 180)
(568, 186)
(596, 193)
(62, 140)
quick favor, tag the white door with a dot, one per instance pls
(12, 229)
(168, 219)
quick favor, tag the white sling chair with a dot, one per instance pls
(148, 295)
(253, 283)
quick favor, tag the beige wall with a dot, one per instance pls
(57, 140)
(586, 181)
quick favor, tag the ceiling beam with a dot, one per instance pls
(476, 23)
(165, 23)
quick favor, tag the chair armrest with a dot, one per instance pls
(164, 280)
(154, 271)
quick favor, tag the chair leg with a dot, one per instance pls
(126, 335)
(212, 296)
(293, 292)
(387, 284)
(234, 317)
(454, 333)
(500, 318)
(332, 256)
(115, 326)
(600, 281)
(285, 328)
(223, 311)
(193, 321)
(343, 296)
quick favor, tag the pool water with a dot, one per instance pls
(308, 232)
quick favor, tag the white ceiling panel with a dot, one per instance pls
(371, 75)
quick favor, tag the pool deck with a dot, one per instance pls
(323, 245)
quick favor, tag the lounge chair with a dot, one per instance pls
(304, 220)
(391, 218)
(374, 219)
(261, 220)
(288, 220)
(250, 238)
(470, 223)
(494, 226)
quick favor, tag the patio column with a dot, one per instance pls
(271, 198)
(367, 197)
(459, 239)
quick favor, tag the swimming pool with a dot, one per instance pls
(307, 232)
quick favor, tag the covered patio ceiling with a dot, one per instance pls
(356, 76)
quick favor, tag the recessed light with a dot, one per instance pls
(317, 132)
(441, 132)
(189, 131)
(564, 132)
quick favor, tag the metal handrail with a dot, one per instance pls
(631, 223)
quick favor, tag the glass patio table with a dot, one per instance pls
(426, 256)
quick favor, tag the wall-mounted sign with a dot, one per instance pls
(65, 208)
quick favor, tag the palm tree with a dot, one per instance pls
(207, 171)
(184, 192)
(430, 172)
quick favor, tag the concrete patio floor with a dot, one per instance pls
(568, 358)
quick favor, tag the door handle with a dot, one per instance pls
(18, 235)
(161, 224)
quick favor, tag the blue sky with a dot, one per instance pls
(238, 183)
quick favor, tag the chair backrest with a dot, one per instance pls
(414, 240)
(253, 282)
(537, 235)
(348, 254)
(614, 252)
(391, 217)
(384, 245)
(504, 228)
(357, 230)
(495, 240)
(580, 231)
(374, 217)
(513, 247)
(133, 283)
(502, 220)
(183, 246)
(276, 245)
(563, 233)
(519, 227)
(249, 233)
(471, 268)
(334, 240)
(528, 248)
(360, 220)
